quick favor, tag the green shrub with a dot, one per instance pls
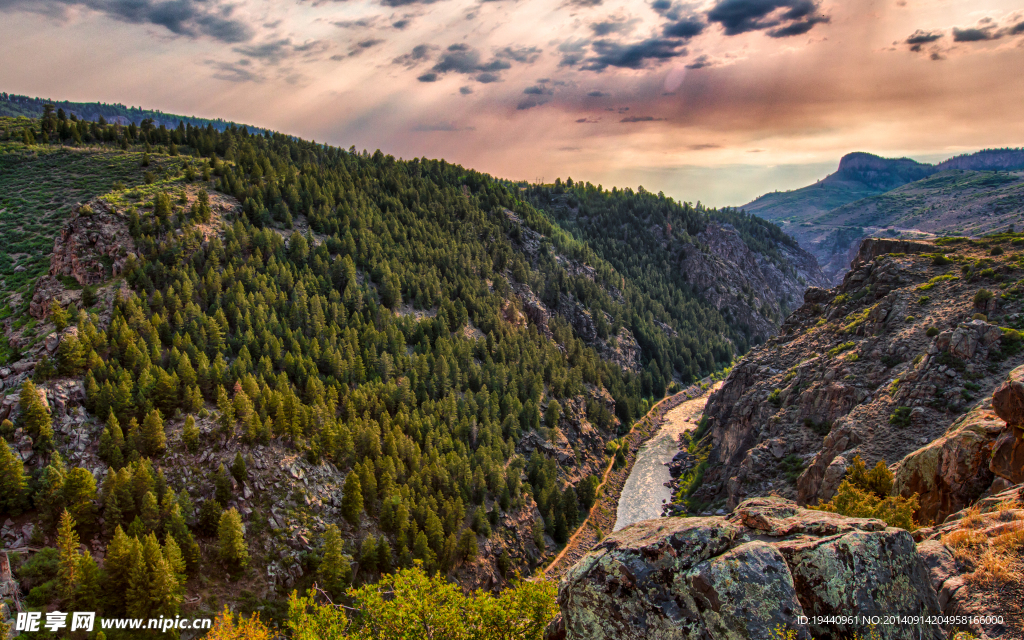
(792, 466)
(996, 251)
(775, 397)
(846, 346)
(865, 494)
(932, 332)
(982, 297)
(900, 417)
(923, 300)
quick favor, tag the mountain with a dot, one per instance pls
(273, 361)
(974, 193)
(14, 105)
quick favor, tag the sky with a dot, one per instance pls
(716, 101)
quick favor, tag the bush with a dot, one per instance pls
(900, 417)
(982, 297)
(865, 494)
(846, 346)
(792, 466)
(932, 332)
(775, 397)
(996, 251)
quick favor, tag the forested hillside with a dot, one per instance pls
(732, 274)
(364, 362)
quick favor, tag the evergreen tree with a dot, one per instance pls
(209, 517)
(222, 485)
(35, 419)
(79, 496)
(67, 547)
(50, 497)
(190, 434)
(118, 564)
(154, 439)
(111, 442)
(368, 555)
(87, 593)
(231, 541)
(58, 315)
(352, 499)
(70, 356)
(227, 413)
(238, 468)
(12, 481)
(335, 571)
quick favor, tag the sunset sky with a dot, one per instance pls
(718, 101)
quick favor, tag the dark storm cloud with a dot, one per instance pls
(779, 18)
(632, 55)
(685, 28)
(189, 18)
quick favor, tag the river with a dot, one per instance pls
(645, 491)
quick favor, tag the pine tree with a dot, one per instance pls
(50, 497)
(335, 571)
(190, 434)
(352, 499)
(12, 481)
(231, 540)
(227, 414)
(58, 315)
(67, 548)
(70, 356)
(118, 565)
(87, 594)
(79, 494)
(238, 468)
(368, 555)
(222, 486)
(149, 512)
(34, 417)
(154, 440)
(111, 442)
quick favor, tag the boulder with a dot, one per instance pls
(742, 576)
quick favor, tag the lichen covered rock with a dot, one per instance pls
(744, 575)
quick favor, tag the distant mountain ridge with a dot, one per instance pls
(896, 196)
(14, 105)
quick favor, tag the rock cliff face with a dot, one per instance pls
(982, 452)
(742, 576)
(93, 246)
(877, 367)
(745, 285)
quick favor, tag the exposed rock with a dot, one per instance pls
(92, 247)
(955, 470)
(49, 288)
(742, 576)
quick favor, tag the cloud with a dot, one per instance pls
(596, 94)
(685, 28)
(188, 18)
(428, 77)
(273, 52)
(519, 54)
(975, 34)
(529, 103)
(641, 119)
(464, 59)
(401, 24)
(919, 38)
(363, 46)
(538, 91)
(234, 72)
(613, 25)
(701, 62)
(420, 53)
(405, 3)
(702, 147)
(442, 126)
(466, 90)
(573, 51)
(779, 18)
(632, 55)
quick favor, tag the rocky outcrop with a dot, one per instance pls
(984, 447)
(743, 576)
(93, 246)
(871, 248)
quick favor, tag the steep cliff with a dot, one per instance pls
(876, 367)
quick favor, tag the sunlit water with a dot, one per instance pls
(645, 491)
